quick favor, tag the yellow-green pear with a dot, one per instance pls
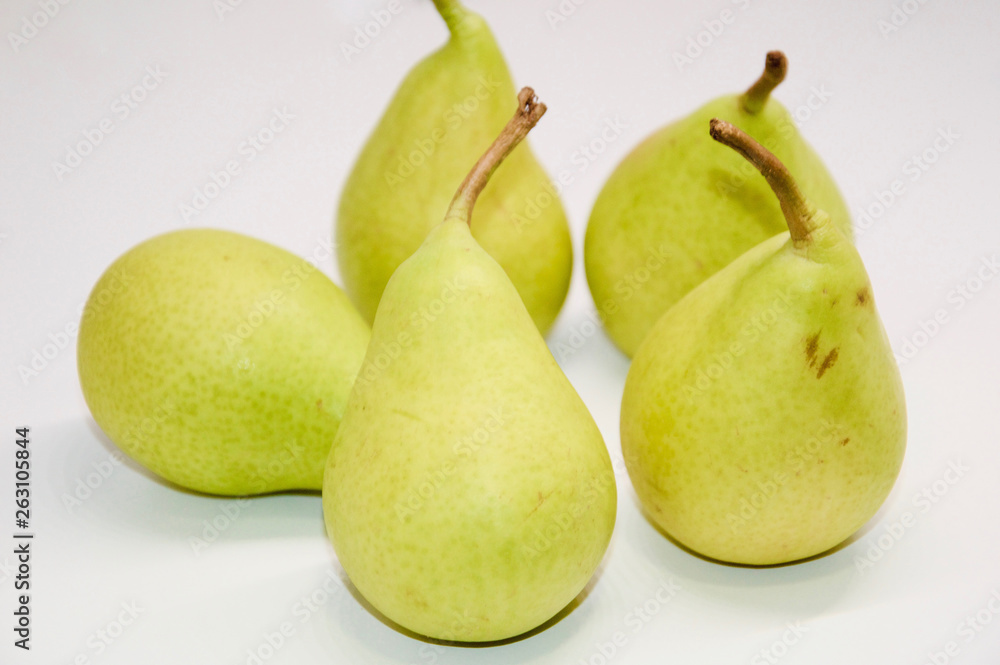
(220, 362)
(445, 114)
(763, 419)
(676, 210)
(469, 495)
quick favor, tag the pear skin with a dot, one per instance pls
(675, 211)
(469, 495)
(444, 115)
(220, 362)
(763, 418)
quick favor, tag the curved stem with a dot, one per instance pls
(775, 68)
(452, 12)
(529, 111)
(797, 209)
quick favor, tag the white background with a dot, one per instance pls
(129, 542)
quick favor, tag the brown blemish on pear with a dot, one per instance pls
(828, 362)
(812, 346)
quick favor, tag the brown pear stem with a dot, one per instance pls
(797, 209)
(452, 12)
(775, 68)
(529, 111)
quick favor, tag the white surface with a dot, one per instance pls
(130, 541)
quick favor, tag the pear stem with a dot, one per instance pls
(452, 12)
(775, 68)
(529, 111)
(797, 209)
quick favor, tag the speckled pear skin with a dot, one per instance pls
(763, 418)
(384, 217)
(469, 494)
(220, 362)
(679, 208)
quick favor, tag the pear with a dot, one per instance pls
(447, 111)
(220, 362)
(675, 210)
(763, 418)
(468, 494)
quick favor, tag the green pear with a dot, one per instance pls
(447, 111)
(676, 210)
(220, 362)
(468, 494)
(763, 418)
